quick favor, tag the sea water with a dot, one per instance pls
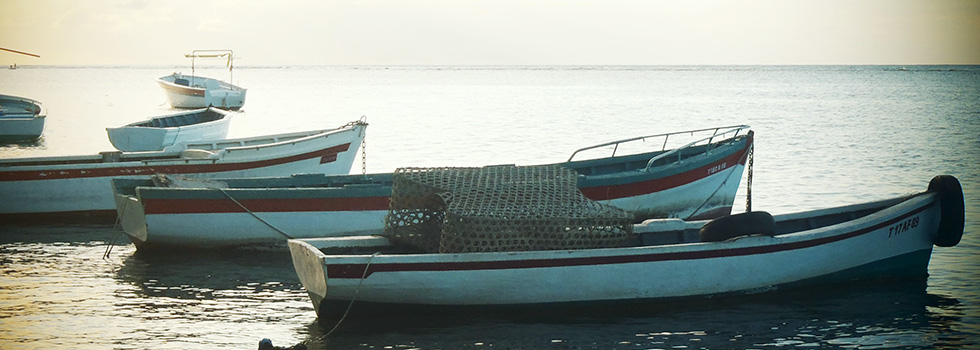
(825, 136)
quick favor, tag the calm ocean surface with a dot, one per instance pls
(825, 136)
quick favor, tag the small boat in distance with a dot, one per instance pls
(78, 188)
(670, 259)
(14, 66)
(191, 91)
(158, 133)
(696, 180)
(21, 119)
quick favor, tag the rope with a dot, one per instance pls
(731, 172)
(254, 215)
(352, 299)
(115, 232)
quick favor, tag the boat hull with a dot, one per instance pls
(201, 92)
(21, 129)
(21, 119)
(78, 188)
(161, 132)
(892, 242)
(702, 187)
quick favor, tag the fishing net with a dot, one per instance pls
(500, 208)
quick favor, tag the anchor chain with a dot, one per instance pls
(362, 121)
(748, 181)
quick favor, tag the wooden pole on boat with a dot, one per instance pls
(20, 52)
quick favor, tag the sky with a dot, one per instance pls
(493, 32)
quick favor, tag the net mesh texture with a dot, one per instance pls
(500, 208)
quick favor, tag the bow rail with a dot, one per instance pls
(715, 132)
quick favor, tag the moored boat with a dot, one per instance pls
(78, 188)
(21, 119)
(157, 133)
(746, 253)
(192, 91)
(696, 180)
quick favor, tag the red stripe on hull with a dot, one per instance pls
(214, 206)
(656, 185)
(357, 270)
(29, 175)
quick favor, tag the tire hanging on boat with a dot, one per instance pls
(742, 224)
(951, 201)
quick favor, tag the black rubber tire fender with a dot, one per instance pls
(741, 224)
(951, 221)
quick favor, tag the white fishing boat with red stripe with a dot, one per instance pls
(79, 188)
(672, 259)
(192, 91)
(698, 179)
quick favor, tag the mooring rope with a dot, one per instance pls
(253, 214)
(353, 298)
(115, 233)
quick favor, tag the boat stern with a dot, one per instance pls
(129, 209)
(226, 97)
(136, 139)
(180, 93)
(308, 263)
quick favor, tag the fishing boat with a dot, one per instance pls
(192, 91)
(78, 188)
(695, 180)
(21, 119)
(157, 133)
(669, 260)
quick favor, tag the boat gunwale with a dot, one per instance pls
(172, 153)
(322, 193)
(144, 124)
(173, 86)
(289, 183)
(907, 206)
(42, 113)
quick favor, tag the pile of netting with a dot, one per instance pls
(500, 208)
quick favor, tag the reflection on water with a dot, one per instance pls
(58, 290)
(886, 314)
(22, 149)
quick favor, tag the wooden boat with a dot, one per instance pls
(78, 188)
(21, 119)
(745, 253)
(696, 180)
(191, 91)
(157, 133)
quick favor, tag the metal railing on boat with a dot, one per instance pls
(716, 132)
